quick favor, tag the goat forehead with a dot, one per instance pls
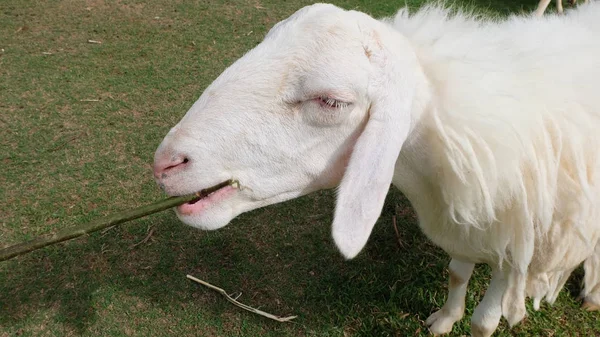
(314, 26)
(277, 62)
(314, 15)
(318, 44)
(319, 33)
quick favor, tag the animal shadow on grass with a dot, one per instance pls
(281, 257)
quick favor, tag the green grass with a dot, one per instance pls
(66, 161)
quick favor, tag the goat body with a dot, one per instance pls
(504, 165)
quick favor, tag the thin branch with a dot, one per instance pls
(241, 305)
(150, 232)
(397, 232)
(65, 142)
(106, 230)
(111, 220)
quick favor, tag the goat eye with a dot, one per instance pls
(328, 102)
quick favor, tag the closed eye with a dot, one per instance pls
(330, 103)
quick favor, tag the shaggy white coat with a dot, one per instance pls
(490, 128)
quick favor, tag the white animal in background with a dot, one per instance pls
(543, 4)
(481, 124)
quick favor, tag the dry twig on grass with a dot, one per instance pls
(148, 236)
(65, 142)
(397, 232)
(241, 305)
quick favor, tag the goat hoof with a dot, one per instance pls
(515, 314)
(482, 331)
(590, 306)
(441, 322)
(536, 303)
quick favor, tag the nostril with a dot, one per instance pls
(177, 163)
(166, 164)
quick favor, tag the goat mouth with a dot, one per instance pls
(204, 196)
(206, 201)
(195, 200)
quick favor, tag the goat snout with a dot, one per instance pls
(167, 164)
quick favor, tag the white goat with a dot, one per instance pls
(482, 125)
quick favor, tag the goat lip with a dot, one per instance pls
(199, 205)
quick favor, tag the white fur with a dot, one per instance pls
(490, 128)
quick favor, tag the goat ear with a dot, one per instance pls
(367, 179)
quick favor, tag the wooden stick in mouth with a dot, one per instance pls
(108, 221)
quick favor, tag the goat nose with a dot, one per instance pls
(165, 164)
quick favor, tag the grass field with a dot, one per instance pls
(79, 123)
